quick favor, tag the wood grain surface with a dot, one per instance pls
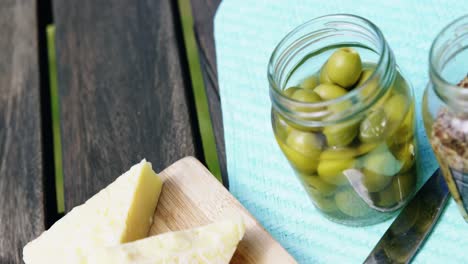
(191, 197)
(21, 184)
(123, 89)
(203, 15)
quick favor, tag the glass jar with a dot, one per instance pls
(445, 107)
(354, 154)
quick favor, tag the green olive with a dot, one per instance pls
(317, 185)
(338, 154)
(400, 85)
(351, 204)
(365, 148)
(325, 204)
(386, 198)
(303, 150)
(323, 76)
(342, 134)
(405, 131)
(375, 182)
(289, 92)
(310, 83)
(341, 107)
(365, 75)
(331, 171)
(406, 154)
(373, 127)
(382, 100)
(395, 109)
(329, 91)
(382, 161)
(305, 142)
(299, 161)
(344, 67)
(404, 185)
(281, 127)
(303, 128)
(398, 191)
(306, 96)
(371, 86)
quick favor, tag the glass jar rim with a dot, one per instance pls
(385, 58)
(449, 89)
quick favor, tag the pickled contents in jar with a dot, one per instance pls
(326, 204)
(372, 128)
(310, 83)
(318, 186)
(302, 149)
(341, 135)
(379, 144)
(401, 187)
(449, 140)
(351, 204)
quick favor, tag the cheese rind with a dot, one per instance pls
(122, 212)
(213, 244)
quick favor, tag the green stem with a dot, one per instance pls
(201, 101)
(54, 100)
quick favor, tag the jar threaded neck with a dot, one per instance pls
(447, 64)
(314, 36)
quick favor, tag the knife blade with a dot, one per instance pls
(404, 237)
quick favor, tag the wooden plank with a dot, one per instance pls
(21, 184)
(203, 14)
(191, 197)
(122, 85)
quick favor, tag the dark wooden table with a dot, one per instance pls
(124, 91)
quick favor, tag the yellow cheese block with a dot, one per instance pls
(120, 213)
(213, 244)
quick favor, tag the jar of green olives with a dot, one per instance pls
(445, 108)
(343, 115)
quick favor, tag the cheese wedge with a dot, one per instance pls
(122, 212)
(213, 244)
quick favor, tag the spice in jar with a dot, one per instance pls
(449, 140)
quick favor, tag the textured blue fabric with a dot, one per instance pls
(246, 33)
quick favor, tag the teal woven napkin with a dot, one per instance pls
(246, 33)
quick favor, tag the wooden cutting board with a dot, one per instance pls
(192, 197)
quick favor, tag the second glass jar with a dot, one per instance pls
(350, 140)
(445, 108)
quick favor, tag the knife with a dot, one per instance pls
(405, 236)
